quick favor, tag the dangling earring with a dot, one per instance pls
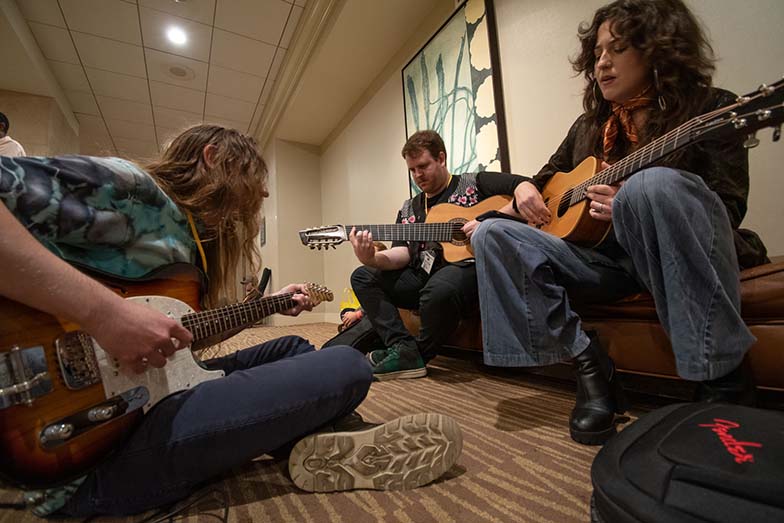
(593, 90)
(661, 100)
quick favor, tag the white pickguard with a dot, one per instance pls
(180, 372)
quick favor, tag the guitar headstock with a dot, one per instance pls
(323, 237)
(318, 293)
(751, 112)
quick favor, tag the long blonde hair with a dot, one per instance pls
(224, 192)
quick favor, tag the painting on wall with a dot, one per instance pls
(453, 86)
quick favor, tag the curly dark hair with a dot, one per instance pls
(669, 36)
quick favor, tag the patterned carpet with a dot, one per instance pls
(518, 462)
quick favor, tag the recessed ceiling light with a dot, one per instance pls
(178, 71)
(181, 73)
(176, 36)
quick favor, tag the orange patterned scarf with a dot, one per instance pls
(621, 118)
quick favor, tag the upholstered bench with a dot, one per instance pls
(629, 329)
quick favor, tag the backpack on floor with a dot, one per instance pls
(361, 335)
(690, 463)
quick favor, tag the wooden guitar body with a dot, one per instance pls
(65, 403)
(24, 459)
(459, 247)
(573, 223)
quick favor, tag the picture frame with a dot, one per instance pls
(453, 85)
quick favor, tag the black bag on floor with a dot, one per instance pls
(361, 335)
(689, 463)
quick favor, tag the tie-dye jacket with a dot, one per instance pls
(106, 214)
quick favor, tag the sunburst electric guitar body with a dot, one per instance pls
(64, 402)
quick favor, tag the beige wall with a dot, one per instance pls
(38, 124)
(294, 204)
(363, 177)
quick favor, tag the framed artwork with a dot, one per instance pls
(453, 86)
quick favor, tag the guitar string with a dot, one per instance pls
(208, 321)
(234, 309)
(607, 174)
(239, 312)
(411, 231)
(405, 232)
(672, 137)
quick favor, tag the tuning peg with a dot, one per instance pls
(776, 133)
(751, 141)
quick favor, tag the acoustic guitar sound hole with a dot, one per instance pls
(563, 205)
(458, 236)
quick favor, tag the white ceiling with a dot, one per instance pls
(365, 36)
(132, 89)
(18, 72)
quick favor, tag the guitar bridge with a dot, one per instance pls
(78, 364)
(23, 376)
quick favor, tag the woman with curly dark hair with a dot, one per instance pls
(647, 67)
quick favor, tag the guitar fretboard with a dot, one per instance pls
(216, 321)
(411, 232)
(663, 146)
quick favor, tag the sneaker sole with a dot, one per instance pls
(401, 374)
(402, 454)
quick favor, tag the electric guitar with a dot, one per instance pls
(64, 402)
(443, 224)
(564, 194)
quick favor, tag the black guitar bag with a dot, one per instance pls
(690, 463)
(361, 335)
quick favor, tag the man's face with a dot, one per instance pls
(430, 174)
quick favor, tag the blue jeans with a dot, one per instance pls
(673, 239)
(272, 394)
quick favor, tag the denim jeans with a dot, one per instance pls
(272, 394)
(673, 239)
(441, 298)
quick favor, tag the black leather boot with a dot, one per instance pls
(736, 387)
(599, 396)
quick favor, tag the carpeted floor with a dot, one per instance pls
(518, 462)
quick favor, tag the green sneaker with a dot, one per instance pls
(401, 362)
(405, 453)
(376, 356)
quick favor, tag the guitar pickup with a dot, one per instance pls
(23, 376)
(65, 429)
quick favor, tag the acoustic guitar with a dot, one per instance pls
(565, 193)
(443, 224)
(64, 402)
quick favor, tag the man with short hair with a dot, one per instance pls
(414, 275)
(8, 146)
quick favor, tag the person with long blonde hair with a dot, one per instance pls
(199, 204)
